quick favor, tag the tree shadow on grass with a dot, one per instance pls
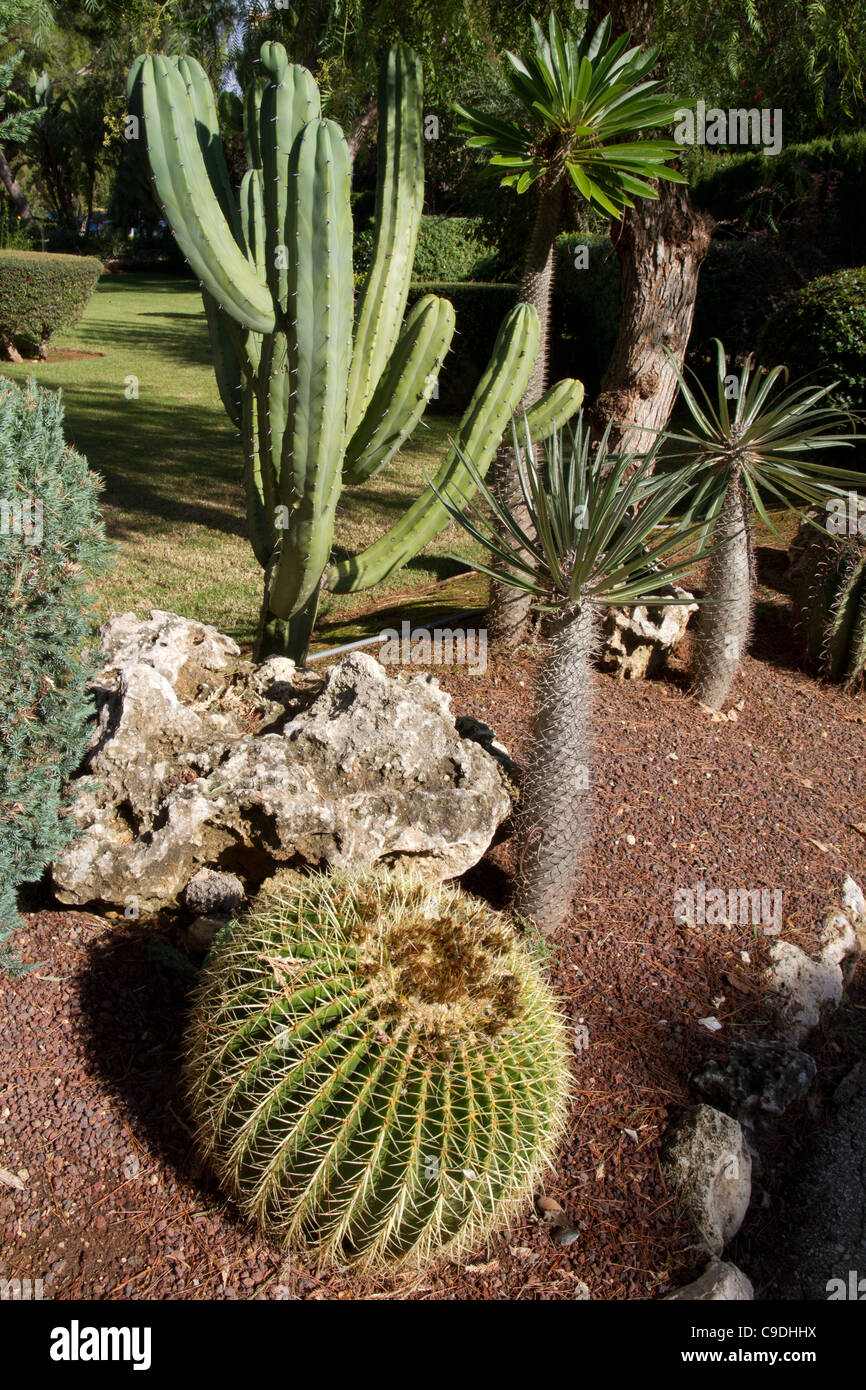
(132, 336)
(156, 471)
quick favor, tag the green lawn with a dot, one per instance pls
(172, 470)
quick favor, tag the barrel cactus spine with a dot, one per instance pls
(322, 396)
(377, 1069)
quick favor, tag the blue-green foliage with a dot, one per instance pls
(46, 621)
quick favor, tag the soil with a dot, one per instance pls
(70, 354)
(113, 1203)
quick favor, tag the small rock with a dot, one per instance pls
(201, 934)
(210, 893)
(131, 1166)
(638, 641)
(719, 1283)
(757, 1077)
(804, 987)
(853, 900)
(709, 1169)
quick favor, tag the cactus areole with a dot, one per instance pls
(322, 390)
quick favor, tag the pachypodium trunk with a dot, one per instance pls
(726, 611)
(554, 819)
(323, 393)
(509, 607)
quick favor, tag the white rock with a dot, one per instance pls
(853, 900)
(355, 769)
(719, 1282)
(166, 642)
(637, 640)
(708, 1167)
(805, 986)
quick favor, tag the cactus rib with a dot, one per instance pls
(399, 201)
(495, 399)
(404, 389)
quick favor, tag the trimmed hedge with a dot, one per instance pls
(584, 319)
(449, 249)
(52, 544)
(41, 293)
(826, 178)
(820, 332)
(480, 309)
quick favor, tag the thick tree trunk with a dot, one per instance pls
(15, 191)
(726, 613)
(508, 610)
(661, 247)
(360, 129)
(554, 820)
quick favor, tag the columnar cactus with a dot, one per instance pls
(323, 396)
(828, 574)
(377, 1069)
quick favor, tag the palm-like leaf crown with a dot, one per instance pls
(600, 522)
(766, 438)
(581, 97)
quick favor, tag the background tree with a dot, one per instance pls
(583, 100)
(807, 60)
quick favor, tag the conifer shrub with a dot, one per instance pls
(52, 544)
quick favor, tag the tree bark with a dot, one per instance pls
(360, 129)
(15, 191)
(661, 247)
(509, 608)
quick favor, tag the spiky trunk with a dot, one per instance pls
(726, 612)
(508, 611)
(555, 816)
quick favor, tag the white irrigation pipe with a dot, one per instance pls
(386, 636)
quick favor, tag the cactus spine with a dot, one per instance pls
(321, 396)
(828, 574)
(377, 1069)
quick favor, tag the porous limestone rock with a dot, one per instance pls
(720, 1282)
(708, 1168)
(637, 641)
(200, 760)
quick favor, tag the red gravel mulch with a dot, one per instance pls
(113, 1205)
